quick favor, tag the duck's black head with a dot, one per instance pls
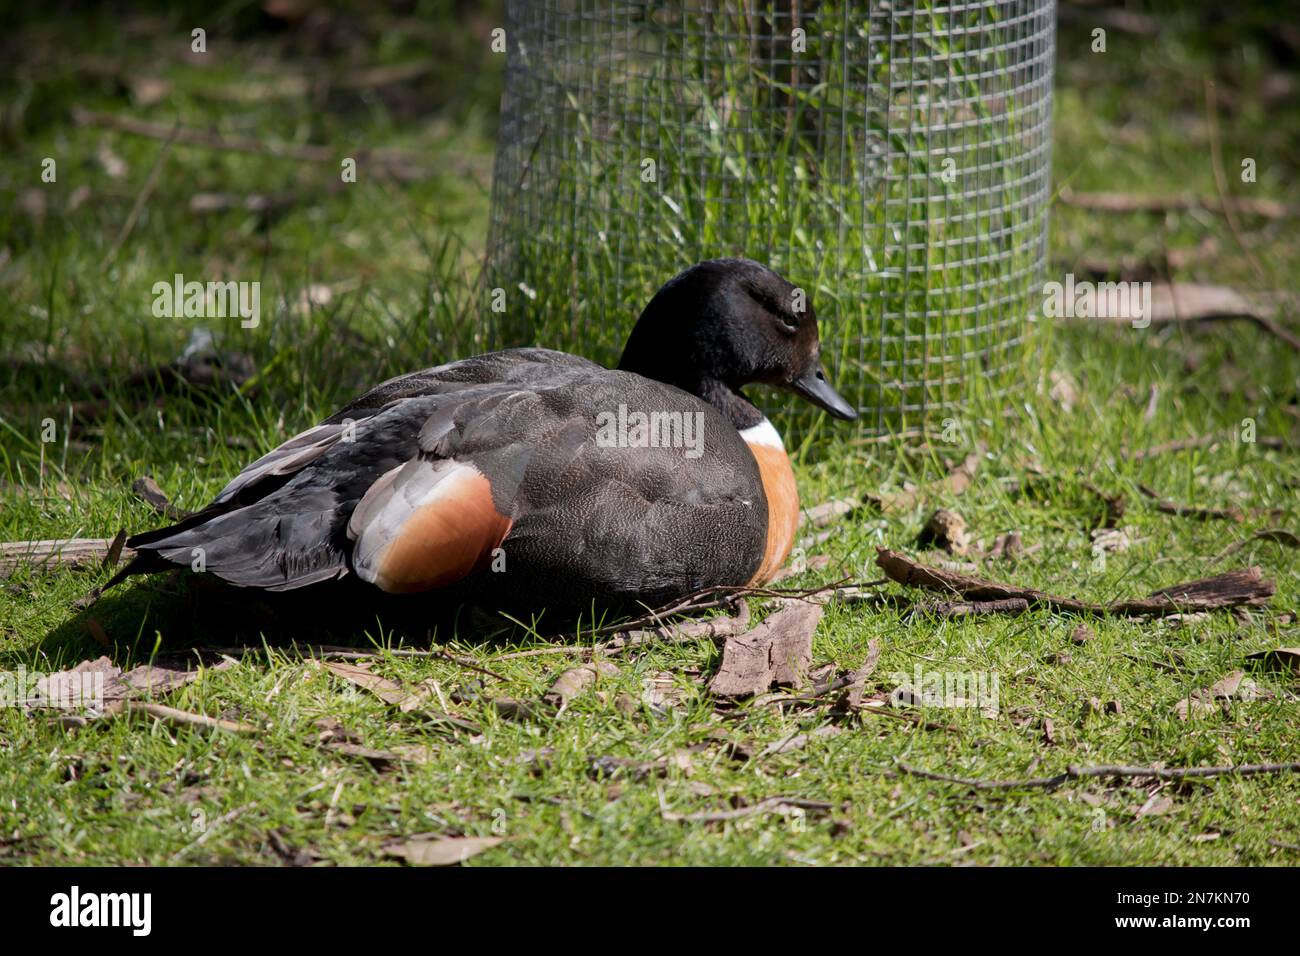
(726, 323)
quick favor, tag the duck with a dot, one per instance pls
(528, 477)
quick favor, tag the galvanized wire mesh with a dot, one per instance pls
(890, 158)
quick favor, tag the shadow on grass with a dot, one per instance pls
(178, 614)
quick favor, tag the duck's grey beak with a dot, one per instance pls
(814, 387)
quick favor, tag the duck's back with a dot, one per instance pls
(634, 491)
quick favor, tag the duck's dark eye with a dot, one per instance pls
(783, 311)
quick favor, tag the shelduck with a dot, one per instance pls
(535, 478)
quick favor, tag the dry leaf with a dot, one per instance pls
(331, 731)
(1063, 390)
(957, 481)
(639, 770)
(576, 680)
(511, 709)
(359, 675)
(1110, 540)
(1279, 658)
(819, 516)
(778, 651)
(660, 693)
(1194, 707)
(905, 695)
(114, 166)
(798, 741)
(433, 850)
(98, 633)
(1009, 546)
(151, 679)
(393, 693)
(381, 759)
(852, 699)
(147, 490)
(90, 683)
(148, 90)
(1155, 805)
(1226, 688)
(1234, 686)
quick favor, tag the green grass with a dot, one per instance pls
(402, 259)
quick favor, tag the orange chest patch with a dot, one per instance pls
(782, 508)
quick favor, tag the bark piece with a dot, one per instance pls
(58, 553)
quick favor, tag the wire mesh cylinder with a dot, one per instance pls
(890, 158)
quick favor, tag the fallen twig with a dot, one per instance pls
(1277, 535)
(400, 165)
(1014, 605)
(919, 721)
(1074, 772)
(542, 651)
(769, 805)
(1226, 205)
(1127, 202)
(1226, 590)
(1185, 303)
(828, 512)
(145, 191)
(183, 718)
(708, 599)
(716, 629)
(323, 651)
(1165, 506)
(1201, 441)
